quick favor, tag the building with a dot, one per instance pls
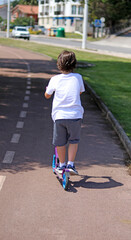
(3, 11)
(57, 13)
(24, 11)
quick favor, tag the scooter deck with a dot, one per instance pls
(71, 173)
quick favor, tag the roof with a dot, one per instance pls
(2, 6)
(26, 9)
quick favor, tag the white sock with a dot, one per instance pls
(71, 163)
(62, 164)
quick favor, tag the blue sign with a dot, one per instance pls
(97, 23)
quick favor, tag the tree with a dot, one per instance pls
(24, 2)
(24, 21)
(1, 19)
(28, 2)
(112, 10)
(14, 3)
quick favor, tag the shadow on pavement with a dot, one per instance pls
(93, 182)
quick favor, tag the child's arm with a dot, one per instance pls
(49, 89)
(47, 95)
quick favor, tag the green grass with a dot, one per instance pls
(110, 78)
(79, 36)
(73, 35)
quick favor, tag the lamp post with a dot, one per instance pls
(8, 20)
(85, 24)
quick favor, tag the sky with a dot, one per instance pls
(4, 1)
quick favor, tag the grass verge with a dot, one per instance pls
(110, 78)
(79, 36)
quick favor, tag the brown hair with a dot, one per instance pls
(66, 61)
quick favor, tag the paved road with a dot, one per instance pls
(117, 46)
(33, 204)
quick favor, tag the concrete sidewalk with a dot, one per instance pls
(33, 203)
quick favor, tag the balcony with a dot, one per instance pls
(58, 12)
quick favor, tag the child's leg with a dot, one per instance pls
(61, 153)
(72, 150)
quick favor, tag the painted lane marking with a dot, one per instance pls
(25, 105)
(28, 87)
(15, 138)
(26, 98)
(29, 82)
(20, 124)
(23, 114)
(27, 92)
(2, 179)
(8, 158)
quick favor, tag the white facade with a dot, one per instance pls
(57, 13)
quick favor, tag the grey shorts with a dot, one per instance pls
(66, 130)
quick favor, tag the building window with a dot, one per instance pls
(54, 22)
(57, 21)
(80, 10)
(63, 21)
(47, 21)
(72, 21)
(73, 9)
(42, 2)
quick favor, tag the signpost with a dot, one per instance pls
(99, 23)
(85, 24)
(102, 25)
(8, 19)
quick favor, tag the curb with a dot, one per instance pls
(109, 116)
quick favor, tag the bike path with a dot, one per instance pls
(33, 204)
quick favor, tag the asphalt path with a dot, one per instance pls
(33, 204)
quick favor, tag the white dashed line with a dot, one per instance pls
(29, 82)
(20, 124)
(27, 92)
(28, 87)
(23, 114)
(8, 158)
(26, 98)
(15, 138)
(2, 179)
(25, 105)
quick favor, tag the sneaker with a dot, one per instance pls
(72, 170)
(60, 169)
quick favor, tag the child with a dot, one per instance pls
(67, 111)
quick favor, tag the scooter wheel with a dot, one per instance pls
(65, 181)
(54, 162)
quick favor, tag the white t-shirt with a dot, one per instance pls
(66, 102)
